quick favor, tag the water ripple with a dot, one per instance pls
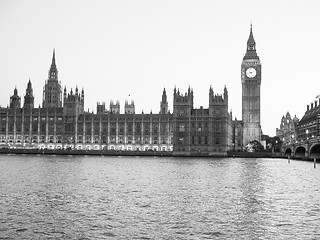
(54, 197)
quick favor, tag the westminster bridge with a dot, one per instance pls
(308, 148)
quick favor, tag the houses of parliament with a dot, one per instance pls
(62, 123)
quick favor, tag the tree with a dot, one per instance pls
(254, 146)
(275, 143)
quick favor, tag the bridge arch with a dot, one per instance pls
(300, 152)
(315, 151)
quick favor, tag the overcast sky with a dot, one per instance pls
(118, 50)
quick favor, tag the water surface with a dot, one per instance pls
(80, 197)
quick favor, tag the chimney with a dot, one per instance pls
(308, 108)
(311, 105)
(315, 104)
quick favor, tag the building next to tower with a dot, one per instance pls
(203, 130)
(251, 82)
(287, 132)
(62, 123)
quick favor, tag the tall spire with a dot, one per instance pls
(29, 87)
(28, 97)
(54, 58)
(164, 96)
(251, 47)
(164, 103)
(53, 72)
(52, 89)
(251, 39)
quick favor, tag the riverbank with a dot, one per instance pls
(84, 152)
(136, 153)
(147, 153)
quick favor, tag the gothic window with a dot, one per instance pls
(155, 140)
(80, 139)
(181, 128)
(112, 139)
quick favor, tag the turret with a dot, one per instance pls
(129, 108)
(218, 103)
(82, 94)
(115, 107)
(29, 98)
(225, 94)
(65, 93)
(182, 104)
(164, 103)
(73, 103)
(15, 100)
(101, 108)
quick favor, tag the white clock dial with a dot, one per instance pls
(251, 72)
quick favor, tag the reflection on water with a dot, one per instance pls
(73, 197)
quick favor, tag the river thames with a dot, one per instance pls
(82, 197)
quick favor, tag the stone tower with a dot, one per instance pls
(15, 100)
(29, 98)
(73, 103)
(115, 107)
(52, 93)
(129, 108)
(251, 81)
(164, 103)
(182, 108)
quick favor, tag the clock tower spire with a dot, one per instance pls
(251, 82)
(251, 47)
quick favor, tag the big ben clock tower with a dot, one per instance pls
(251, 81)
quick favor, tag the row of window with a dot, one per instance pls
(198, 140)
(201, 127)
(83, 139)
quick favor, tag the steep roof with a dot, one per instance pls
(310, 115)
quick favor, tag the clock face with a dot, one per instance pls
(251, 72)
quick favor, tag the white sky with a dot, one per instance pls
(114, 49)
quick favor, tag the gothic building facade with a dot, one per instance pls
(201, 131)
(287, 132)
(308, 127)
(62, 123)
